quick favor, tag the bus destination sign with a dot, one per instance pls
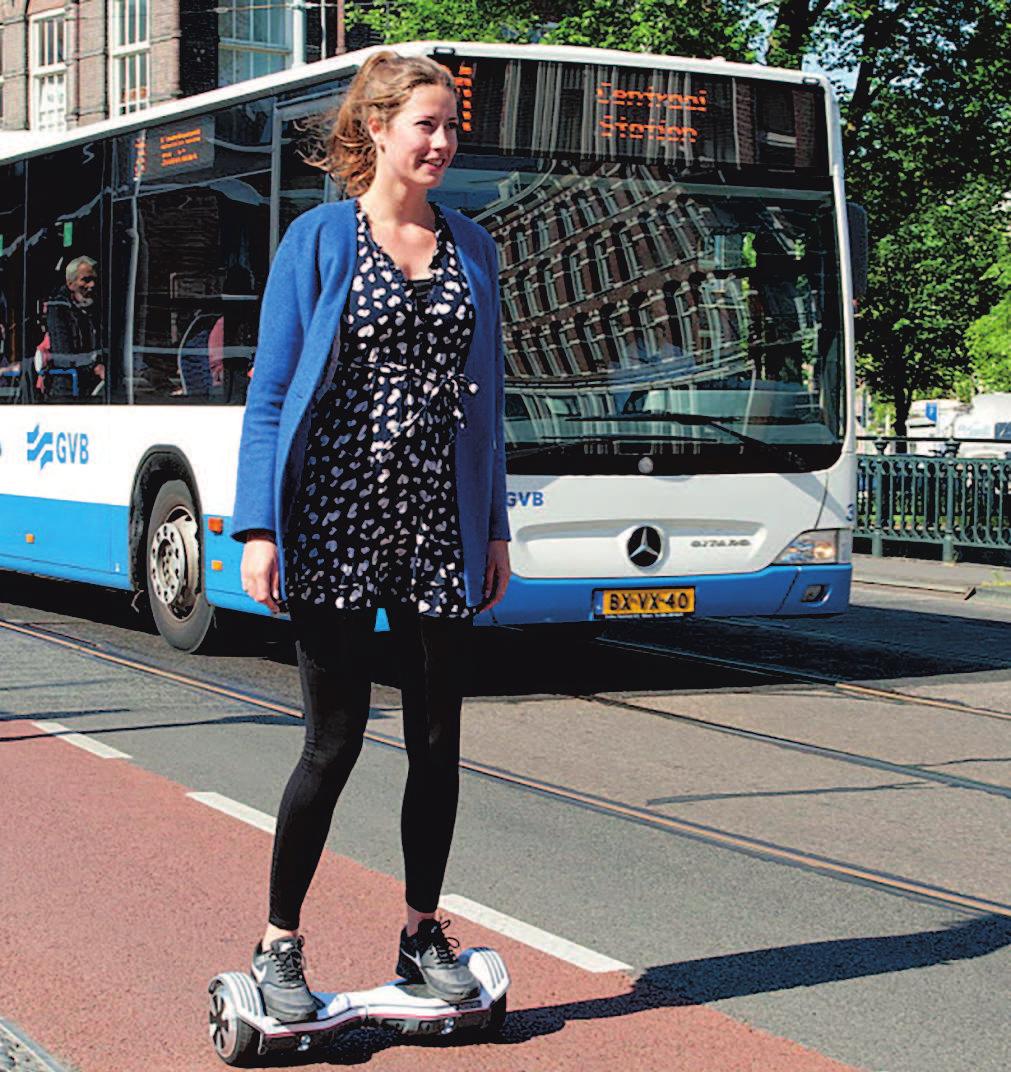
(648, 114)
(697, 120)
(180, 147)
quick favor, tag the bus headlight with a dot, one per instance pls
(818, 547)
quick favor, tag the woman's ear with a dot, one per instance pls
(376, 129)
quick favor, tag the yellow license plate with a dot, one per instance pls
(646, 602)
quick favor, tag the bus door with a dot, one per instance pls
(297, 186)
(58, 512)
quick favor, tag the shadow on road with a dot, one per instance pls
(699, 982)
(868, 644)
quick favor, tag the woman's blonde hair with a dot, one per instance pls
(343, 146)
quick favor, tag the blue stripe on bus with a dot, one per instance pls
(89, 542)
(774, 591)
(73, 540)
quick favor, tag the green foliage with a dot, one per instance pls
(964, 387)
(449, 20)
(928, 153)
(931, 104)
(927, 284)
(988, 339)
(666, 27)
(675, 27)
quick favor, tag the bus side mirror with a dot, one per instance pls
(856, 216)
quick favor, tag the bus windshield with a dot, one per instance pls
(659, 256)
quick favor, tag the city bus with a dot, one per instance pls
(677, 295)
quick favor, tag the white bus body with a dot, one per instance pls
(651, 500)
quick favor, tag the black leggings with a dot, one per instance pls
(333, 662)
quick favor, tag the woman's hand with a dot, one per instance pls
(496, 573)
(260, 578)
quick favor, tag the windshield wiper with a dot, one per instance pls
(776, 450)
(553, 444)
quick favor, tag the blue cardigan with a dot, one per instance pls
(302, 305)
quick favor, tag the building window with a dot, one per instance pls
(530, 293)
(565, 215)
(130, 89)
(253, 39)
(509, 299)
(571, 274)
(48, 51)
(586, 333)
(546, 278)
(600, 269)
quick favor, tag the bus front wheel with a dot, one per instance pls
(174, 576)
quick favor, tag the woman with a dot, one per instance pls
(372, 473)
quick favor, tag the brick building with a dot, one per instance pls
(66, 63)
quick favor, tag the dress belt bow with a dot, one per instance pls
(438, 402)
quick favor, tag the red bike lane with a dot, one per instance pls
(122, 898)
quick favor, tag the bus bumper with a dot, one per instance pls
(777, 591)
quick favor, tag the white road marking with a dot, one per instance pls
(260, 819)
(587, 959)
(96, 748)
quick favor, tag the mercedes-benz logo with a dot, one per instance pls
(644, 546)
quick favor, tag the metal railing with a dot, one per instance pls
(944, 500)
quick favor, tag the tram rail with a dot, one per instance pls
(783, 854)
(771, 670)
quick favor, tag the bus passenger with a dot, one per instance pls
(372, 474)
(73, 334)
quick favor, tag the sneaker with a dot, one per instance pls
(280, 974)
(427, 957)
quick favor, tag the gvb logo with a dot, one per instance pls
(40, 447)
(64, 448)
(524, 498)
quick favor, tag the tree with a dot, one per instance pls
(927, 284)
(450, 20)
(988, 339)
(668, 27)
(928, 152)
(677, 27)
(793, 25)
(930, 105)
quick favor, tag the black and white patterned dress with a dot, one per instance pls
(375, 518)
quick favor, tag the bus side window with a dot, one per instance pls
(192, 252)
(65, 358)
(13, 382)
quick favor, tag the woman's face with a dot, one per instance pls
(419, 142)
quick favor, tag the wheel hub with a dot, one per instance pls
(222, 1022)
(173, 558)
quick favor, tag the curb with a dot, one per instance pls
(19, 1052)
(966, 591)
(994, 593)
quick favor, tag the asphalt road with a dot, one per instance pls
(791, 806)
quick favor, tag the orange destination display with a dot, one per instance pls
(694, 121)
(171, 149)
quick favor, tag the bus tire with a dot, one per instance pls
(173, 569)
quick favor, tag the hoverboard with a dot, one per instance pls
(241, 1030)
